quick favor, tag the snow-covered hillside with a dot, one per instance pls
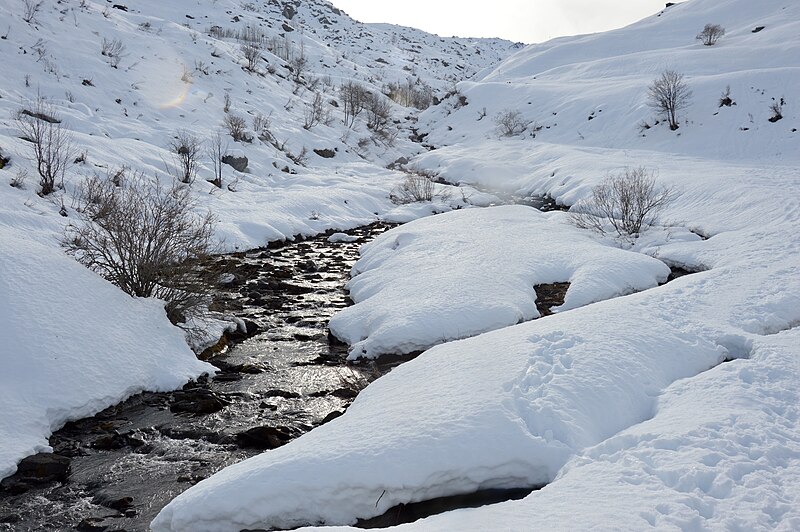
(125, 80)
(672, 408)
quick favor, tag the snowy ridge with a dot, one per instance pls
(625, 406)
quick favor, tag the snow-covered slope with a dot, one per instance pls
(73, 344)
(623, 407)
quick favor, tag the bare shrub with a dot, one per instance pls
(711, 34)
(379, 111)
(114, 50)
(51, 143)
(237, 127)
(413, 93)
(511, 123)
(226, 107)
(261, 125)
(299, 64)
(315, 112)
(18, 181)
(217, 149)
(418, 186)
(777, 110)
(185, 149)
(725, 99)
(146, 239)
(354, 98)
(252, 55)
(629, 202)
(668, 95)
(30, 9)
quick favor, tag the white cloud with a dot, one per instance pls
(519, 20)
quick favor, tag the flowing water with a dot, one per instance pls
(278, 381)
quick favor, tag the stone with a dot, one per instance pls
(264, 437)
(44, 468)
(199, 401)
(238, 163)
(325, 153)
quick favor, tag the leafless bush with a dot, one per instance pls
(354, 98)
(261, 125)
(51, 143)
(299, 64)
(378, 112)
(281, 47)
(725, 98)
(226, 107)
(510, 123)
(252, 55)
(777, 110)
(417, 187)
(18, 181)
(315, 112)
(237, 127)
(414, 93)
(146, 239)
(217, 149)
(711, 34)
(668, 95)
(30, 9)
(114, 50)
(630, 202)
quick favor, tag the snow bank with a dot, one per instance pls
(73, 344)
(481, 277)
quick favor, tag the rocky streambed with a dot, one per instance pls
(277, 380)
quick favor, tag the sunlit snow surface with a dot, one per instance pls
(623, 406)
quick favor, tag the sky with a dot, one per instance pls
(527, 21)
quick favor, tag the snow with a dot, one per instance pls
(672, 408)
(481, 278)
(74, 344)
(619, 402)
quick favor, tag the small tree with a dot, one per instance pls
(185, 149)
(146, 239)
(668, 95)
(629, 202)
(354, 98)
(711, 34)
(51, 143)
(252, 55)
(511, 123)
(217, 149)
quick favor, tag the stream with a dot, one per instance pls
(116, 470)
(277, 380)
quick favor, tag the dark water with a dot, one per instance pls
(130, 460)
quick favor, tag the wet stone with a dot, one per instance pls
(265, 437)
(199, 401)
(43, 468)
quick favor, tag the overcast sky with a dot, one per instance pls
(527, 21)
